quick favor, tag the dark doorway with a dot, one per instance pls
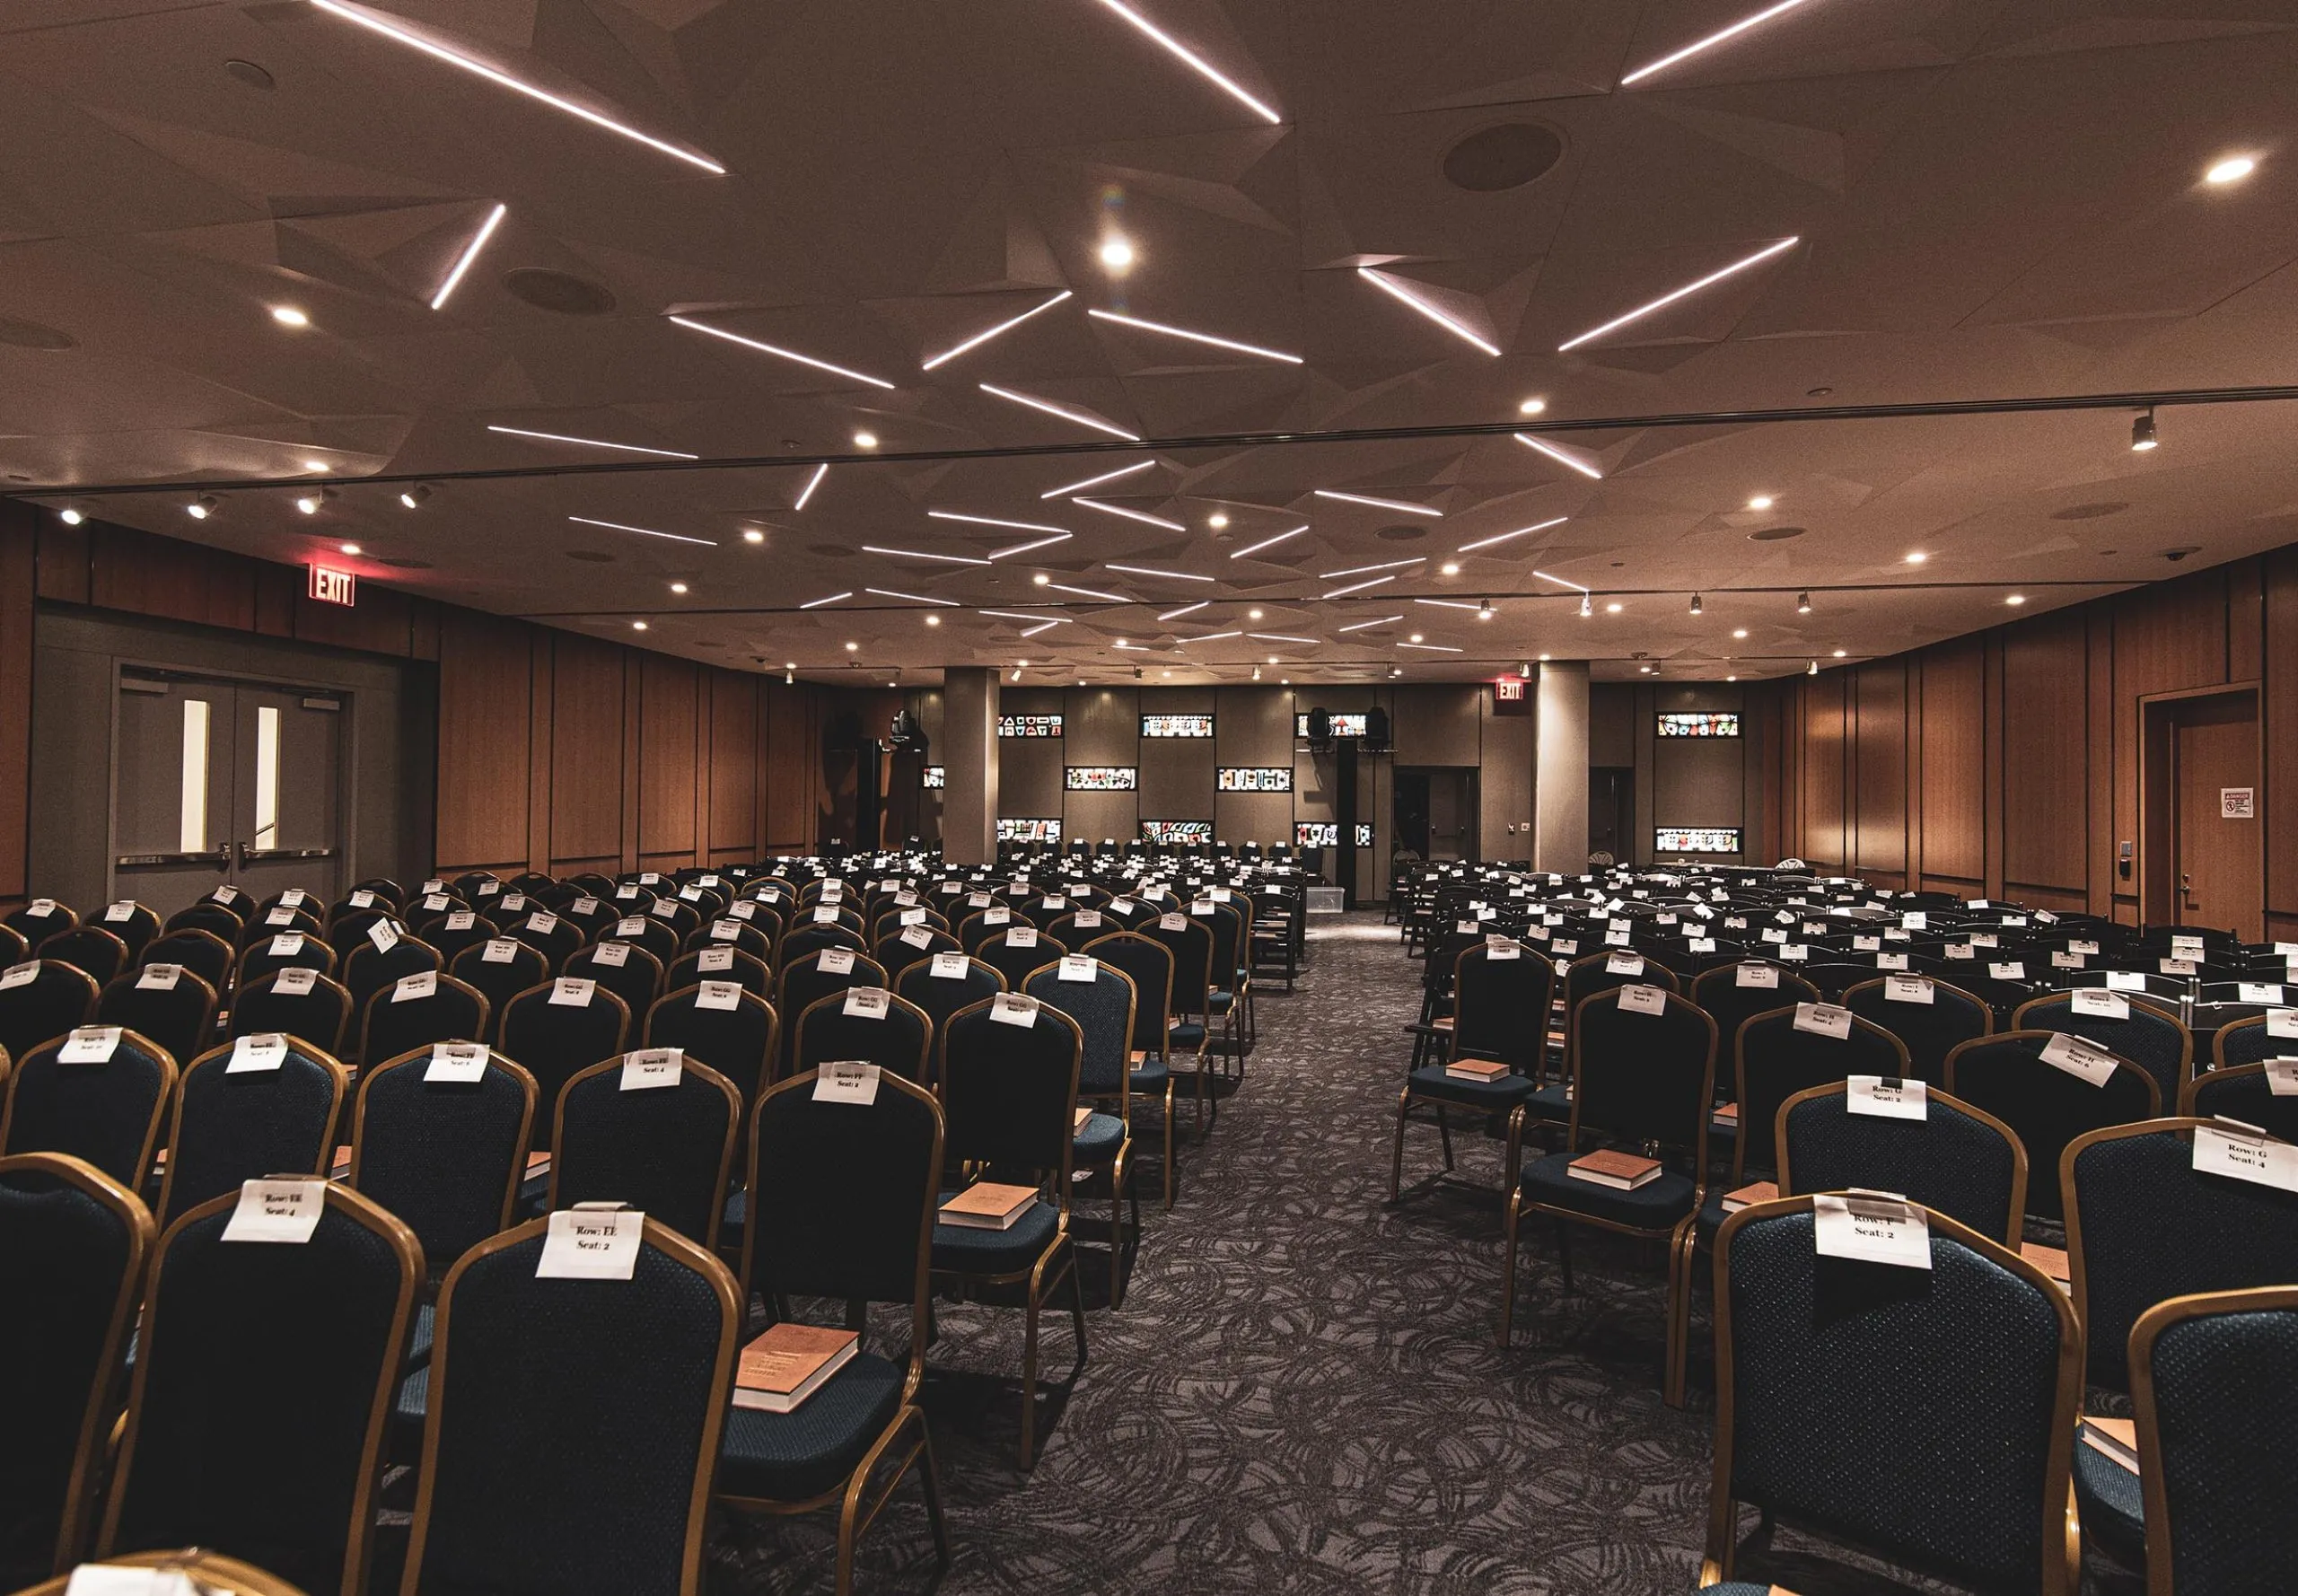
(1611, 810)
(2202, 814)
(1412, 811)
(1435, 812)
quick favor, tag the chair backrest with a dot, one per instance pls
(288, 949)
(870, 1024)
(1831, 1371)
(264, 1377)
(498, 969)
(103, 1104)
(553, 937)
(813, 976)
(2143, 1225)
(1642, 1077)
(624, 969)
(91, 947)
(1149, 963)
(196, 949)
(1501, 1005)
(456, 932)
(529, 1453)
(1592, 974)
(135, 923)
(939, 996)
(1931, 1016)
(804, 941)
(445, 1154)
(558, 1028)
(2046, 1106)
(2248, 1041)
(2241, 1092)
(747, 970)
(658, 937)
(1189, 939)
(168, 1003)
(911, 944)
(627, 1133)
(734, 1031)
(44, 1004)
(842, 1194)
(1009, 1091)
(1023, 948)
(2156, 1041)
(725, 932)
(1781, 1052)
(2213, 1378)
(418, 1010)
(254, 1107)
(1728, 1001)
(307, 1005)
(72, 1242)
(1103, 1003)
(1958, 1160)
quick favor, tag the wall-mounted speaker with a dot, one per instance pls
(1376, 730)
(1320, 728)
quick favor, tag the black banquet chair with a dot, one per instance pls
(555, 1032)
(168, 1003)
(270, 1365)
(107, 1110)
(40, 1000)
(74, 1241)
(651, 1130)
(2046, 1106)
(254, 1107)
(445, 1154)
(302, 1004)
(530, 1457)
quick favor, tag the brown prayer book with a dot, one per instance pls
(1728, 1117)
(1487, 1070)
(339, 1167)
(1623, 1172)
(1442, 1022)
(1082, 1116)
(2050, 1260)
(1759, 1191)
(538, 1163)
(789, 1363)
(988, 1206)
(2116, 1438)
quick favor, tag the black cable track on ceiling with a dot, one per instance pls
(1910, 410)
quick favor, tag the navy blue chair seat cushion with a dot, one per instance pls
(2112, 1504)
(1551, 1102)
(1098, 1142)
(963, 1249)
(1150, 1075)
(1187, 1034)
(1657, 1205)
(789, 1457)
(1496, 1095)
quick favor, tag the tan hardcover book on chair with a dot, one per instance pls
(1622, 1171)
(988, 1206)
(1755, 1191)
(1487, 1070)
(790, 1362)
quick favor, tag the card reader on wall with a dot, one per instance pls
(2122, 860)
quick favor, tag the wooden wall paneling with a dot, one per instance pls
(731, 831)
(1825, 745)
(2046, 766)
(20, 560)
(1991, 762)
(64, 556)
(485, 713)
(2167, 638)
(2278, 721)
(541, 722)
(666, 728)
(587, 765)
(2245, 619)
(153, 575)
(633, 696)
(1951, 685)
(1879, 764)
(2099, 759)
(792, 766)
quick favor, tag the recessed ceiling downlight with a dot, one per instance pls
(1776, 534)
(1507, 155)
(562, 292)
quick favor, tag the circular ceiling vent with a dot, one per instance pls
(250, 74)
(404, 564)
(1507, 155)
(1401, 533)
(560, 292)
(31, 335)
(2089, 511)
(830, 551)
(592, 556)
(1776, 534)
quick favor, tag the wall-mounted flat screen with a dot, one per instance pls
(1029, 725)
(1177, 831)
(1364, 834)
(1703, 723)
(1029, 830)
(1345, 723)
(1698, 839)
(1255, 779)
(1102, 778)
(936, 775)
(1177, 725)
(1315, 834)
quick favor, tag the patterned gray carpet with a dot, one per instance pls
(1302, 1392)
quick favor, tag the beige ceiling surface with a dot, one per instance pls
(1988, 200)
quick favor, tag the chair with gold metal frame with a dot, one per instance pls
(723, 1024)
(43, 1005)
(2143, 1225)
(1023, 948)
(665, 1150)
(211, 1571)
(2149, 1035)
(2245, 1042)
(553, 1458)
(418, 1010)
(1850, 1403)
(850, 1189)
(2241, 1092)
(555, 1032)
(244, 1110)
(1930, 1029)
(1149, 965)
(319, 1013)
(73, 1242)
(498, 969)
(897, 1037)
(939, 996)
(2212, 1381)
(194, 948)
(1009, 1102)
(108, 1113)
(263, 1379)
(1639, 1080)
(1103, 1003)
(752, 973)
(289, 949)
(801, 982)
(1501, 1000)
(169, 1003)
(367, 968)
(2046, 1106)
(624, 969)
(446, 1156)
(1189, 940)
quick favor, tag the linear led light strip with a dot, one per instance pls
(1058, 620)
(1280, 637)
(1561, 582)
(1045, 625)
(1269, 542)
(520, 432)
(1503, 536)
(779, 353)
(1431, 647)
(1385, 620)
(1185, 609)
(1669, 298)
(367, 20)
(646, 531)
(1212, 637)
(1194, 337)
(818, 603)
(470, 253)
(1449, 604)
(999, 554)
(1181, 51)
(1087, 592)
(1019, 526)
(1156, 520)
(1384, 565)
(1399, 505)
(1145, 571)
(980, 339)
(1741, 26)
(1096, 481)
(1558, 455)
(920, 554)
(813, 483)
(1050, 408)
(1396, 290)
(1358, 587)
(887, 593)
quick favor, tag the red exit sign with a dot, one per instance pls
(332, 586)
(1510, 694)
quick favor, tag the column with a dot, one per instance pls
(1560, 770)
(969, 757)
